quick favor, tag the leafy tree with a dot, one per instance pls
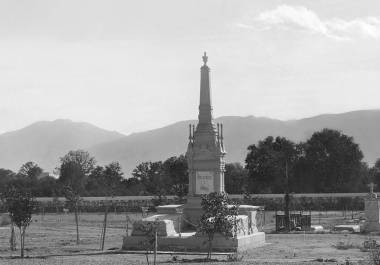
(217, 217)
(73, 173)
(46, 187)
(149, 174)
(6, 176)
(19, 204)
(236, 177)
(81, 158)
(374, 173)
(75, 168)
(272, 163)
(332, 162)
(95, 182)
(268, 162)
(30, 170)
(113, 176)
(175, 168)
(27, 178)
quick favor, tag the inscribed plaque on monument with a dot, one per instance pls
(204, 182)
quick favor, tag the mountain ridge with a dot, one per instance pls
(44, 142)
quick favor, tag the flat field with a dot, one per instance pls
(51, 239)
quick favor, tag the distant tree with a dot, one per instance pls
(375, 173)
(95, 182)
(113, 176)
(269, 163)
(132, 187)
(27, 177)
(30, 170)
(74, 170)
(6, 176)
(217, 217)
(235, 178)
(149, 174)
(73, 173)
(81, 158)
(332, 162)
(175, 169)
(19, 203)
(46, 187)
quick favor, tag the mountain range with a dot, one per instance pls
(44, 142)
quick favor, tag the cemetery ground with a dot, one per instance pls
(51, 239)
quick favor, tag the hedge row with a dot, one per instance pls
(270, 204)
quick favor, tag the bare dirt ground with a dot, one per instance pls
(51, 239)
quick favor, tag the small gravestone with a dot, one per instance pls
(371, 211)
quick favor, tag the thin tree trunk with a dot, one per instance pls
(76, 222)
(21, 245)
(147, 258)
(287, 200)
(23, 241)
(155, 247)
(12, 240)
(209, 247)
(104, 227)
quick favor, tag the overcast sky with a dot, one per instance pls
(134, 65)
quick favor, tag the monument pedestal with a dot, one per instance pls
(192, 211)
(169, 238)
(194, 243)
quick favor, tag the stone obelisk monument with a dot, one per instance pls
(205, 152)
(205, 158)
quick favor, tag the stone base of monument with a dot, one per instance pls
(195, 243)
(192, 211)
(169, 237)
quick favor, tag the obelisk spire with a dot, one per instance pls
(205, 107)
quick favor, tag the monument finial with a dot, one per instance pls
(204, 57)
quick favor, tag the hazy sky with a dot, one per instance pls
(134, 65)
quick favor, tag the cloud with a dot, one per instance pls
(301, 18)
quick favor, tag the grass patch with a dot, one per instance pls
(342, 245)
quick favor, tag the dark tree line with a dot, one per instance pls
(79, 174)
(329, 161)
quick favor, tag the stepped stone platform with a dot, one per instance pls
(169, 237)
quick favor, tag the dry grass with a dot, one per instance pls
(53, 236)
